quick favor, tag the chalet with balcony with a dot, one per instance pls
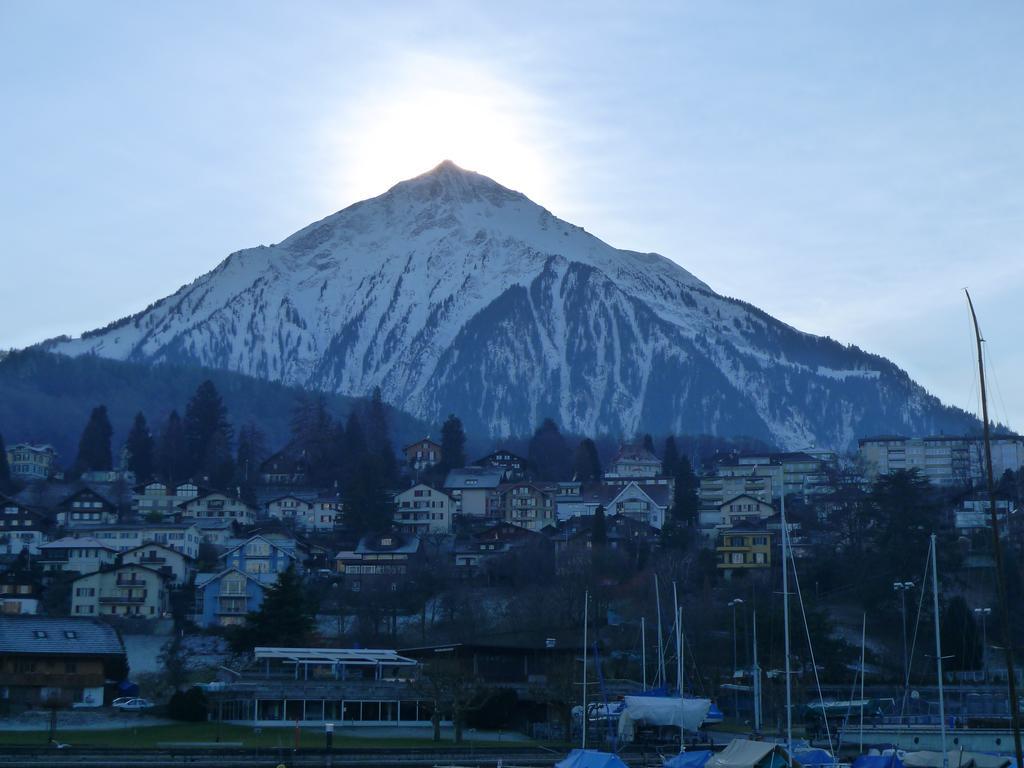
(175, 566)
(66, 662)
(124, 590)
(223, 599)
(380, 561)
(515, 468)
(423, 510)
(184, 537)
(423, 454)
(264, 556)
(162, 499)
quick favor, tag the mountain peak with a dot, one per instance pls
(452, 183)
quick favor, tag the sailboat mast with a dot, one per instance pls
(586, 616)
(675, 621)
(679, 657)
(643, 649)
(997, 549)
(661, 650)
(785, 626)
(938, 651)
(863, 640)
(757, 682)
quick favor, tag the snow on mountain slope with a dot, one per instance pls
(455, 294)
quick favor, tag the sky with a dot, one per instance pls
(849, 167)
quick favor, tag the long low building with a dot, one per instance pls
(347, 686)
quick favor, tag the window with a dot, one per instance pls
(40, 634)
(70, 634)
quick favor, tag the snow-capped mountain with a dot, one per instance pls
(457, 295)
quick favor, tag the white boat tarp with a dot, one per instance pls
(661, 710)
(743, 753)
(955, 759)
(590, 758)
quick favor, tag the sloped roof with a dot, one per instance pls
(68, 542)
(42, 635)
(474, 477)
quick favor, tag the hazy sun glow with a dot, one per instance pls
(440, 110)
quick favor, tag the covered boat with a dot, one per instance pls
(696, 759)
(687, 714)
(955, 759)
(743, 753)
(591, 758)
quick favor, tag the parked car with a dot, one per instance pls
(132, 703)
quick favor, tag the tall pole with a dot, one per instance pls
(757, 682)
(997, 550)
(863, 640)
(643, 649)
(661, 650)
(938, 651)
(785, 626)
(586, 617)
(679, 658)
(675, 620)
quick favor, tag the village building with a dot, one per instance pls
(217, 506)
(528, 505)
(423, 510)
(423, 454)
(515, 467)
(746, 546)
(20, 591)
(942, 459)
(21, 527)
(66, 662)
(124, 590)
(224, 599)
(350, 687)
(184, 537)
(471, 487)
(287, 467)
(175, 566)
(75, 555)
(473, 554)
(264, 557)
(380, 562)
(30, 463)
(162, 499)
(86, 508)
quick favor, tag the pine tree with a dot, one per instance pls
(250, 453)
(285, 617)
(670, 457)
(378, 439)
(94, 454)
(172, 454)
(205, 417)
(353, 449)
(648, 443)
(367, 505)
(139, 447)
(685, 499)
(313, 433)
(453, 443)
(548, 452)
(586, 464)
(218, 463)
(6, 481)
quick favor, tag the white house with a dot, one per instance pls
(177, 567)
(81, 555)
(184, 537)
(218, 506)
(422, 509)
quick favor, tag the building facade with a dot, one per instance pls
(31, 462)
(125, 590)
(423, 510)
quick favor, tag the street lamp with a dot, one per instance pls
(902, 587)
(984, 613)
(735, 694)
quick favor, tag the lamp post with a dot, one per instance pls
(984, 613)
(902, 587)
(735, 694)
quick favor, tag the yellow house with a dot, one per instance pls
(745, 546)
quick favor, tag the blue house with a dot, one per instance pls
(223, 599)
(264, 557)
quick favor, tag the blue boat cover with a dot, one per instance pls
(695, 759)
(815, 757)
(878, 761)
(591, 758)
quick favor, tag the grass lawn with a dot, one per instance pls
(153, 736)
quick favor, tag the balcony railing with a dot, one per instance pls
(122, 600)
(131, 582)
